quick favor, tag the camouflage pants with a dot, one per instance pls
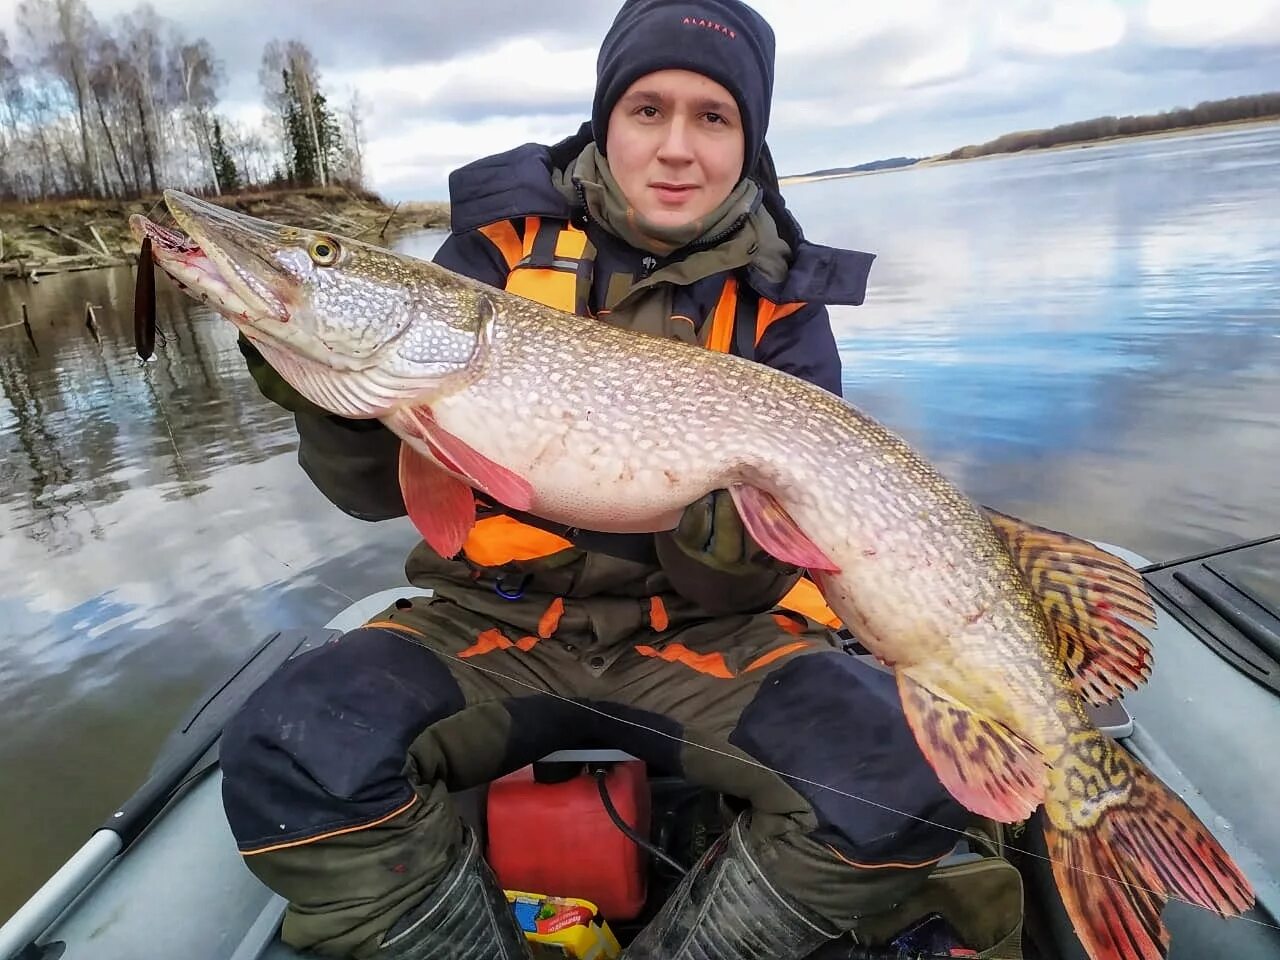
(338, 771)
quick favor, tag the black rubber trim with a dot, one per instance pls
(1237, 625)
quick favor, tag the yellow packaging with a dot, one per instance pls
(563, 926)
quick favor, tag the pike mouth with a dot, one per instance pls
(199, 275)
(244, 292)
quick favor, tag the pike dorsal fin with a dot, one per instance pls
(1084, 591)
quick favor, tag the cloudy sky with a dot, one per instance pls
(445, 81)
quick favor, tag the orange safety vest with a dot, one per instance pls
(544, 265)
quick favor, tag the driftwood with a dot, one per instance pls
(97, 236)
(383, 231)
(67, 236)
(31, 269)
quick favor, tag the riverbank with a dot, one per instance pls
(942, 160)
(56, 236)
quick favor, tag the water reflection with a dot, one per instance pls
(1088, 338)
(154, 525)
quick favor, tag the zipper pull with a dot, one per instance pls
(647, 265)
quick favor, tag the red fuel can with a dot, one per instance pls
(557, 838)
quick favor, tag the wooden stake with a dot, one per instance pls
(91, 321)
(26, 325)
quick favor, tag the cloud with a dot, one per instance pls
(1048, 30)
(473, 87)
(1187, 24)
(392, 33)
(450, 81)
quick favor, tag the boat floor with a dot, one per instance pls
(183, 890)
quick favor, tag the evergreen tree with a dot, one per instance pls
(329, 133)
(300, 157)
(223, 166)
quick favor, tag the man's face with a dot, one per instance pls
(675, 146)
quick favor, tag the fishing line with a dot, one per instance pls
(186, 476)
(751, 761)
(144, 294)
(747, 760)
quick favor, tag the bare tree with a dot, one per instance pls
(60, 30)
(143, 51)
(132, 105)
(200, 74)
(249, 148)
(353, 137)
(9, 143)
(106, 84)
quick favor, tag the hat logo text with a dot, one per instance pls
(710, 25)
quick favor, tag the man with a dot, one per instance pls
(661, 215)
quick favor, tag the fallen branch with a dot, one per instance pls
(67, 236)
(383, 231)
(97, 236)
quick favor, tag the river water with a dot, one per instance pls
(1087, 338)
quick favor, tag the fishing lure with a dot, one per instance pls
(144, 304)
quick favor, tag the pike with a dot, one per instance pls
(998, 631)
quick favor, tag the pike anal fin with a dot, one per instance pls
(772, 527)
(1085, 591)
(987, 767)
(442, 507)
(1115, 877)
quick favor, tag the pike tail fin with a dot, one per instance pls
(1115, 877)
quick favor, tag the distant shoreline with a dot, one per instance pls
(40, 238)
(942, 160)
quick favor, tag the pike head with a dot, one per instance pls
(356, 329)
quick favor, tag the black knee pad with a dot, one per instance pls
(322, 744)
(833, 720)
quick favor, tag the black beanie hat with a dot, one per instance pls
(722, 39)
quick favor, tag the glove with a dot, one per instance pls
(273, 386)
(712, 532)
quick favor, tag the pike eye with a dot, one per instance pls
(324, 253)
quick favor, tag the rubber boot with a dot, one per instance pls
(465, 917)
(726, 909)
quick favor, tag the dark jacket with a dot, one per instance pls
(517, 184)
(355, 463)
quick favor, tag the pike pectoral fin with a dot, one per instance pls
(772, 527)
(493, 478)
(1084, 591)
(441, 506)
(986, 766)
